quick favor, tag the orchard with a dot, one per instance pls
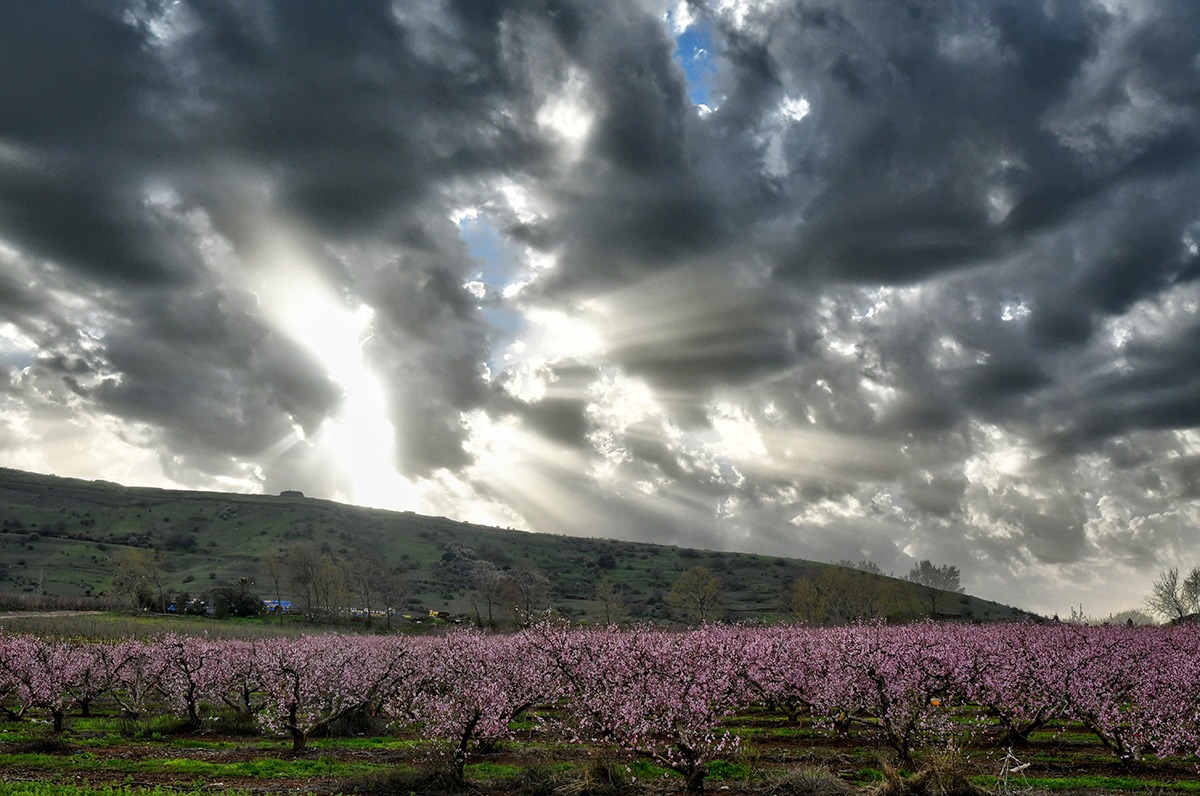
(664, 696)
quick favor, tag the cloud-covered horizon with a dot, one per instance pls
(834, 280)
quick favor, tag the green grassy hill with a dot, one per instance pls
(59, 536)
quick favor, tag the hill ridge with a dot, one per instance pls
(63, 536)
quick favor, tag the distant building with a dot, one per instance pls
(277, 606)
(291, 493)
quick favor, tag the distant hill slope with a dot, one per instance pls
(58, 536)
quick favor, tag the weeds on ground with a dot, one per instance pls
(942, 775)
(810, 781)
(430, 781)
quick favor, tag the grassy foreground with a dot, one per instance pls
(105, 625)
(110, 755)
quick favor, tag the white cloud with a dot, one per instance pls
(567, 115)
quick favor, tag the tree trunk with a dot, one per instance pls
(460, 754)
(193, 714)
(1018, 738)
(298, 735)
(693, 778)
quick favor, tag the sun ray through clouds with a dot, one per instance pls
(298, 302)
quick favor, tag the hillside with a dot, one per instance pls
(59, 536)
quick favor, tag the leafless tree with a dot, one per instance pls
(393, 591)
(935, 582)
(696, 596)
(839, 594)
(1173, 598)
(528, 594)
(366, 579)
(272, 568)
(303, 565)
(487, 592)
(610, 607)
(141, 575)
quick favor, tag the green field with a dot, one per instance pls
(107, 754)
(59, 537)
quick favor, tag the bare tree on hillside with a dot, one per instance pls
(487, 592)
(141, 575)
(934, 582)
(366, 580)
(332, 586)
(527, 592)
(303, 565)
(1172, 598)
(865, 565)
(837, 595)
(393, 591)
(610, 606)
(271, 565)
(696, 596)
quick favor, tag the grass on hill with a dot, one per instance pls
(59, 536)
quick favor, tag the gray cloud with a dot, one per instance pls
(920, 281)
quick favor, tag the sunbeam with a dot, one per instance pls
(360, 438)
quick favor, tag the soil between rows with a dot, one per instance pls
(346, 766)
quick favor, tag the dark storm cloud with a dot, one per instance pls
(353, 123)
(187, 367)
(1024, 156)
(946, 136)
(429, 346)
(639, 199)
(947, 236)
(358, 113)
(1158, 388)
(76, 129)
(691, 328)
(919, 111)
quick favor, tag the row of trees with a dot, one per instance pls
(329, 588)
(513, 595)
(836, 595)
(660, 694)
(324, 587)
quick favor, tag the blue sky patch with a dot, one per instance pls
(498, 269)
(694, 49)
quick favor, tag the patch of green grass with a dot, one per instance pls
(20, 732)
(84, 761)
(56, 789)
(867, 776)
(372, 742)
(265, 767)
(782, 732)
(644, 770)
(199, 743)
(1091, 782)
(488, 771)
(724, 770)
(523, 722)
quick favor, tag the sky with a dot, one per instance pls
(833, 280)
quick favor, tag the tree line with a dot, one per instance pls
(323, 587)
